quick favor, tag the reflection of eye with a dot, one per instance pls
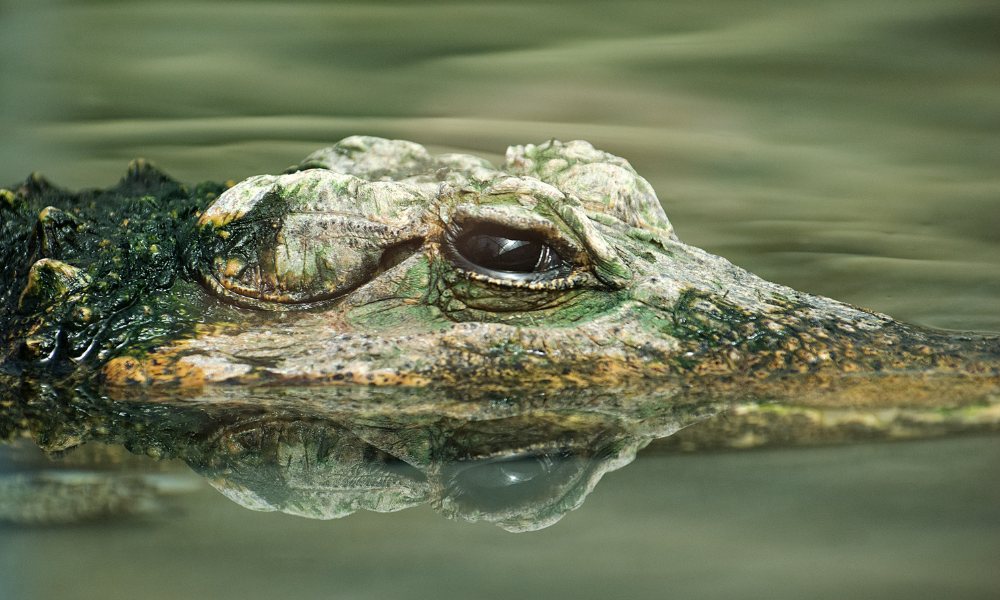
(505, 472)
(510, 481)
(506, 253)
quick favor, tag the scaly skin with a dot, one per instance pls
(519, 463)
(229, 325)
(351, 269)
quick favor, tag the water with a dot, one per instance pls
(862, 521)
(848, 149)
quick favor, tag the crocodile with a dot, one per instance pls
(366, 448)
(374, 262)
(518, 461)
(378, 327)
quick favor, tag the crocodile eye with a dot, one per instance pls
(507, 253)
(505, 472)
(509, 481)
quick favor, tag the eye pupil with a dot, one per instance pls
(502, 254)
(507, 254)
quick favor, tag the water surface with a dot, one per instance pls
(850, 149)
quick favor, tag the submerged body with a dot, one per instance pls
(374, 262)
(379, 327)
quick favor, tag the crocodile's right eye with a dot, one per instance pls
(506, 253)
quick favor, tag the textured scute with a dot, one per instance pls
(340, 338)
(364, 265)
(605, 183)
(90, 274)
(304, 237)
(371, 158)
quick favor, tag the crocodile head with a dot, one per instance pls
(518, 332)
(374, 262)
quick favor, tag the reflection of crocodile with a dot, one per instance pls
(494, 458)
(521, 472)
(376, 263)
(515, 334)
(519, 461)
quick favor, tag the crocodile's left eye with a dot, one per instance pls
(506, 253)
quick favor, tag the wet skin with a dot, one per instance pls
(432, 329)
(361, 448)
(376, 263)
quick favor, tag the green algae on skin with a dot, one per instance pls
(93, 270)
(375, 262)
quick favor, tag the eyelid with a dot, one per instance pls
(514, 218)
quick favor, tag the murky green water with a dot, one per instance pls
(869, 521)
(849, 149)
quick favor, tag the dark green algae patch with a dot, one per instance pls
(117, 278)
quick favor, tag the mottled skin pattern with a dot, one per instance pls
(350, 269)
(520, 463)
(230, 325)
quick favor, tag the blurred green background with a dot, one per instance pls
(848, 148)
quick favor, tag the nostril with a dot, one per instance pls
(397, 253)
